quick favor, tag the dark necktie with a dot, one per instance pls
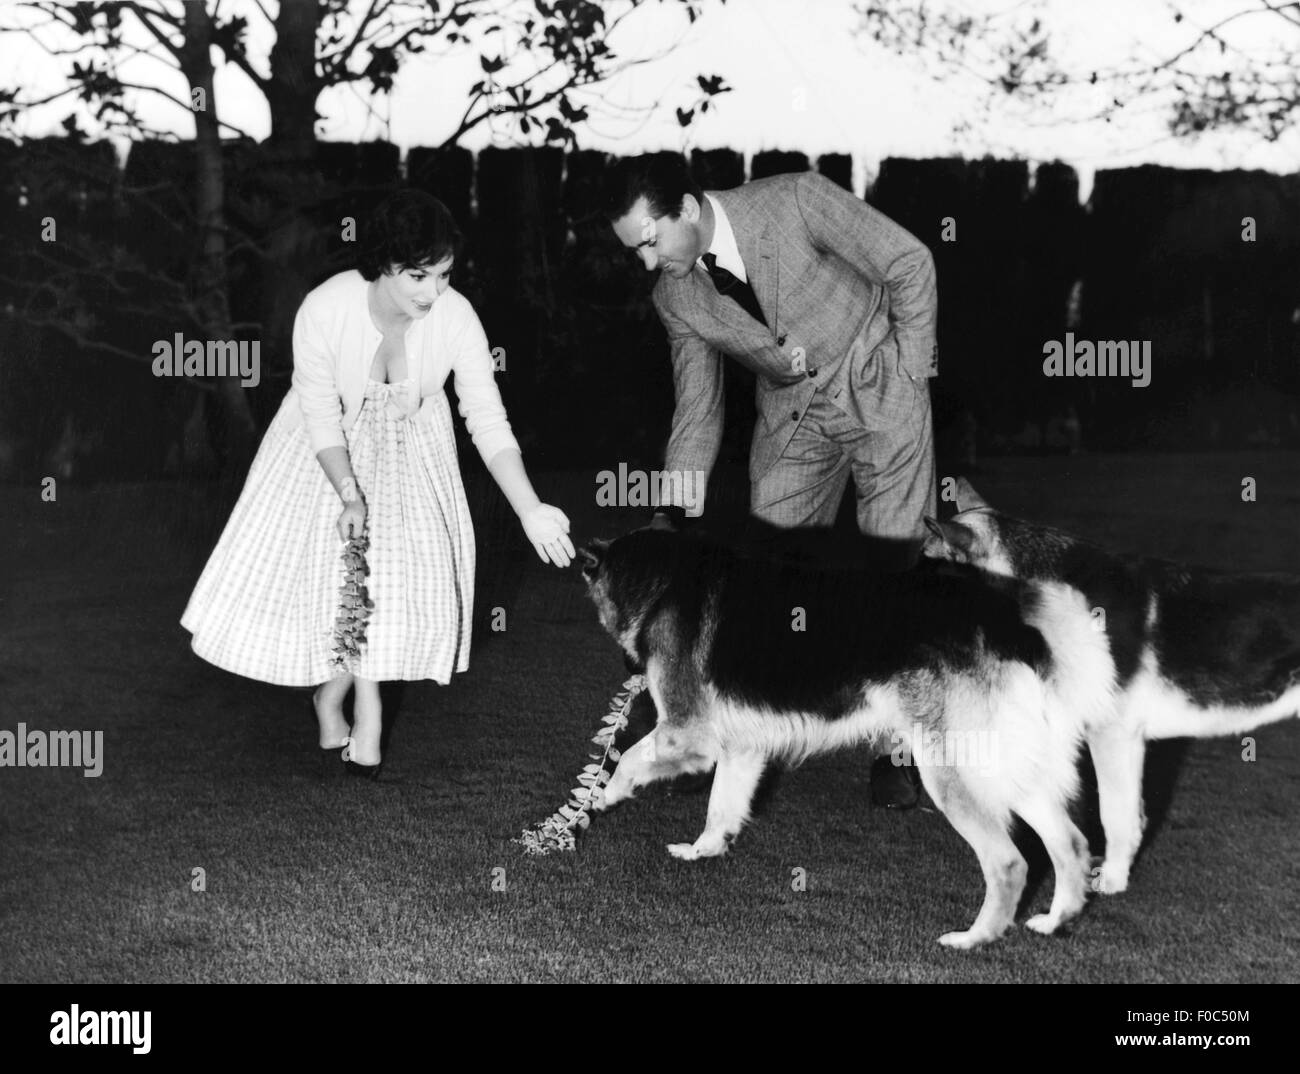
(733, 287)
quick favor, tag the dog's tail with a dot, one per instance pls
(1082, 676)
(1033, 719)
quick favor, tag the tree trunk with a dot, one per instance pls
(292, 173)
(294, 86)
(210, 279)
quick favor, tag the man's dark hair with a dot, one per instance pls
(408, 229)
(663, 179)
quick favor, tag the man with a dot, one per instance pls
(833, 306)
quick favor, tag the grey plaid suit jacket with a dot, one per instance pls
(851, 309)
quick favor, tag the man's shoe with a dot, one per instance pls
(893, 786)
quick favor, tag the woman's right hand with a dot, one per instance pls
(352, 522)
(547, 528)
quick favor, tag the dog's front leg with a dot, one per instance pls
(632, 771)
(734, 784)
(664, 753)
(675, 747)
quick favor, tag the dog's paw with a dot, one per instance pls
(610, 796)
(708, 845)
(1109, 878)
(965, 941)
(1044, 923)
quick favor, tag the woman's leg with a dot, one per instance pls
(328, 701)
(368, 722)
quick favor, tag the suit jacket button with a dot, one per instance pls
(780, 341)
(812, 372)
(794, 415)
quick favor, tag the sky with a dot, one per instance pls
(802, 79)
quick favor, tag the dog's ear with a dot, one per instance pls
(967, 498)
(592, 556)
(668, 518)
(953, 535)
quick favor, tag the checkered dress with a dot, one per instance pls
(266, 602)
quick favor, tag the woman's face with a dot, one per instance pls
(412, 292)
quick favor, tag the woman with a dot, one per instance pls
(363, 446)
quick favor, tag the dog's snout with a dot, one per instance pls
(591, 555)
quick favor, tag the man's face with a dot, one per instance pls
(665, 243)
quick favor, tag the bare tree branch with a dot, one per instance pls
(88, 343)
(265, 14)
(1255, 88)
(146, 20)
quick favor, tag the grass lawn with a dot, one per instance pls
(311, 879)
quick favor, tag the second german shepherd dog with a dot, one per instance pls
(751, 660)
(1194, 652)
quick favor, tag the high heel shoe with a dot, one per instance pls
(363, 771)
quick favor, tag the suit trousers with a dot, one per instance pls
(892, 468)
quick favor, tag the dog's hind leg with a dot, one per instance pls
(985, 830)
(734, 784)
(1118, 754)
(1068, 850)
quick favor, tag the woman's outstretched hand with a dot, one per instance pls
(548, 529)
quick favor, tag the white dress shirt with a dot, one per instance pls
(723, 246)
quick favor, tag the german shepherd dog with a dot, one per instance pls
(1194, 652)
(752, 660)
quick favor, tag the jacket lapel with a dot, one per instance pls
(758, 252)
(725, 310)
(764, 278)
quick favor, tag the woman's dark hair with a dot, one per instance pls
(408, 229)
(663, 179)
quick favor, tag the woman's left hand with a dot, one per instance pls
(548, 529)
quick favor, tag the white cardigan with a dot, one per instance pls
(334, 345)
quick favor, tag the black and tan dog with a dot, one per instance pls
(1194, 652)
(753, 660)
